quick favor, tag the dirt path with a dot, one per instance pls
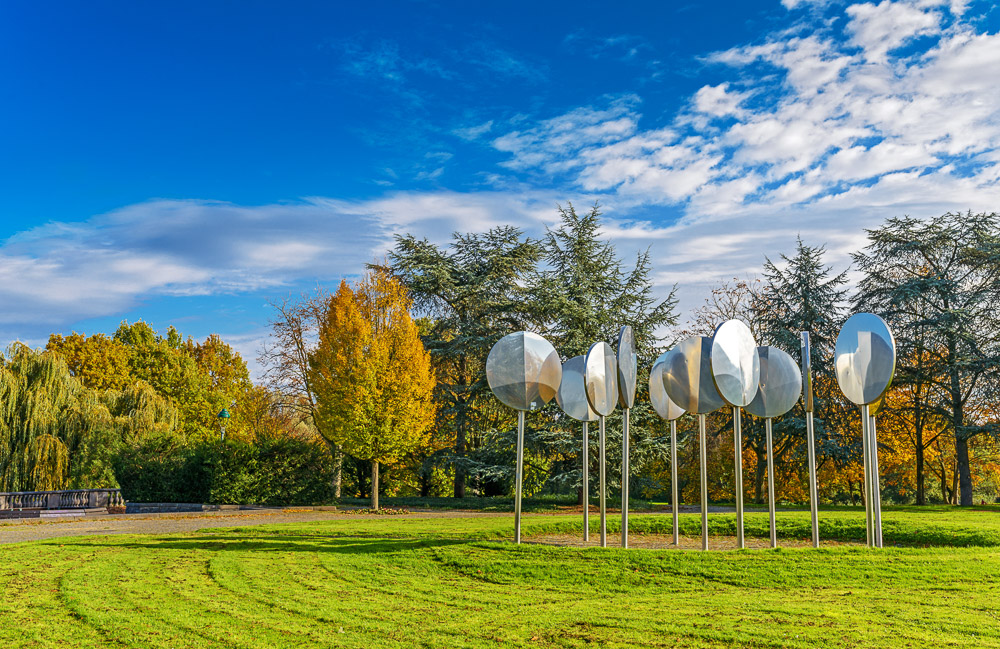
(16, 531)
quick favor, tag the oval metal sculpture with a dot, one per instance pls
(736, 372)
(572, 398)
(807, 404)
(627, 370)
(601, 378)
(865, 361)
(735, 364)
(572, 393)
(667, 409)
(865, 358)
(779, 388)
(687, 377)
(524, 372)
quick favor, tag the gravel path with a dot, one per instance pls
(18, 530)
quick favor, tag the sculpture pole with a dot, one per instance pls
(673, 478)
(704, 480)
(625, 479)
(813, 488)
(866, 457)
(604, 520)
(738, 443)
(770, 483)
(519, 471)
(807, 399)
(876, 486)
(586, 476)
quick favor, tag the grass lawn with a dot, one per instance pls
(396, 582)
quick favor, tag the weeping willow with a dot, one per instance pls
(57, 434)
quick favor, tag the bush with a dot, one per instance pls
(271, 472)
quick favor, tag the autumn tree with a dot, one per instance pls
(373, 378)
(97, 361)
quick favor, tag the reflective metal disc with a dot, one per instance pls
(780, 384)
(523, 370)
(662, 403)
(572, 394)
(807, 386)
(601, 378)
(627, 367)
(865, 358)
(687, 376)
(735, 364)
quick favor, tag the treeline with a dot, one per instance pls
(140, 410)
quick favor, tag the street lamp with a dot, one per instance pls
(223, 416)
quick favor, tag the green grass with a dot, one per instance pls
(392, 582)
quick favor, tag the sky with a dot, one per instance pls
(186, 163)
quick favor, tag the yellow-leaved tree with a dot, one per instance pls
(372, 376)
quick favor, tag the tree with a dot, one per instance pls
(801, 293)
(584, 293)
(294, 332)
(56, 433)
(99, 362)
(474, 293)
(937, 281)
(373, 378)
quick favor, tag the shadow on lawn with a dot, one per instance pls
(276, 543)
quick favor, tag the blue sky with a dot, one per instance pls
(187, 162)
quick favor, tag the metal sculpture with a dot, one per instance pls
(779, 388)
(667, 409)
(865, 361)
(736, 372)
(687, 378)
(626, 398)
(524, 372)
(572, 398)
(601, 378)
(807, 402)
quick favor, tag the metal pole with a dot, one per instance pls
(520, 474)
(673, 478)
(704, 481)
(586, 476)
(604, 518)
(770, 483)
(813, 483)
(868, 476)
(625, 480)
(876, 486)
(738, 443)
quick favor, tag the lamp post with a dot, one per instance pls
(223, 417)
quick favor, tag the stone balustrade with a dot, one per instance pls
(67, 499)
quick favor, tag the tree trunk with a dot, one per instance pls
(919, 425)
(955, 486)
(964, 475)
(425, 481)
(359, 470)
(338, 470)
(460, 452)
(758, 479)
(374, 485)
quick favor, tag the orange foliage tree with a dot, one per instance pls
(372, 376)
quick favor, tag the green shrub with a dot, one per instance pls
(271, 472)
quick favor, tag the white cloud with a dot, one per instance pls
(880, 28)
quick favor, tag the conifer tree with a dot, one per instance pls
(937, 282)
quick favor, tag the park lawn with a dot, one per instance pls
(454, 582)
